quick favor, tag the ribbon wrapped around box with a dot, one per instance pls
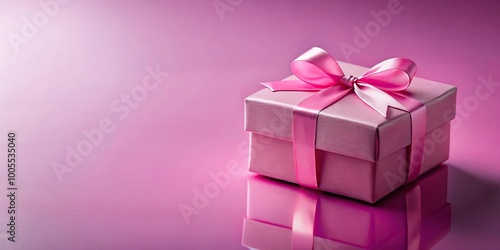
(360, 137)
(284, 216)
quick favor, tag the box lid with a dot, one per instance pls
(350, 127)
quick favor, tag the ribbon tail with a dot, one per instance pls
(376, 98)
(290, 85)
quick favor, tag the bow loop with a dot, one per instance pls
(317, 67)
(393, 74)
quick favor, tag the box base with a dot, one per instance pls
(351, 177)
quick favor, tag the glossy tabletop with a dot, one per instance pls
(128, 119)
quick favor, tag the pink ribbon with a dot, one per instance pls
(413, 200)
(304, 216)
(320, 73)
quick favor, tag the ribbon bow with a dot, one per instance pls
(319, 72)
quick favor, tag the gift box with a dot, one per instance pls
(285, 216)
(357, 152)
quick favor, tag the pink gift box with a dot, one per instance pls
(359, 153)
(415, 217)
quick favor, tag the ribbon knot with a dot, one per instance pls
(319, 72)
(349, 81)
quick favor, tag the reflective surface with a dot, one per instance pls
(129, 116)
(281, 215)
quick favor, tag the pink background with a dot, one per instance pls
(126, 192)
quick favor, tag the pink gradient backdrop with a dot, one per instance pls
(126, 193)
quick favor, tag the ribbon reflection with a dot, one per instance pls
(285, 216)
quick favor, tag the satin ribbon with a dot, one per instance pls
(413, 217)
(319, 72)
(304, 216)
